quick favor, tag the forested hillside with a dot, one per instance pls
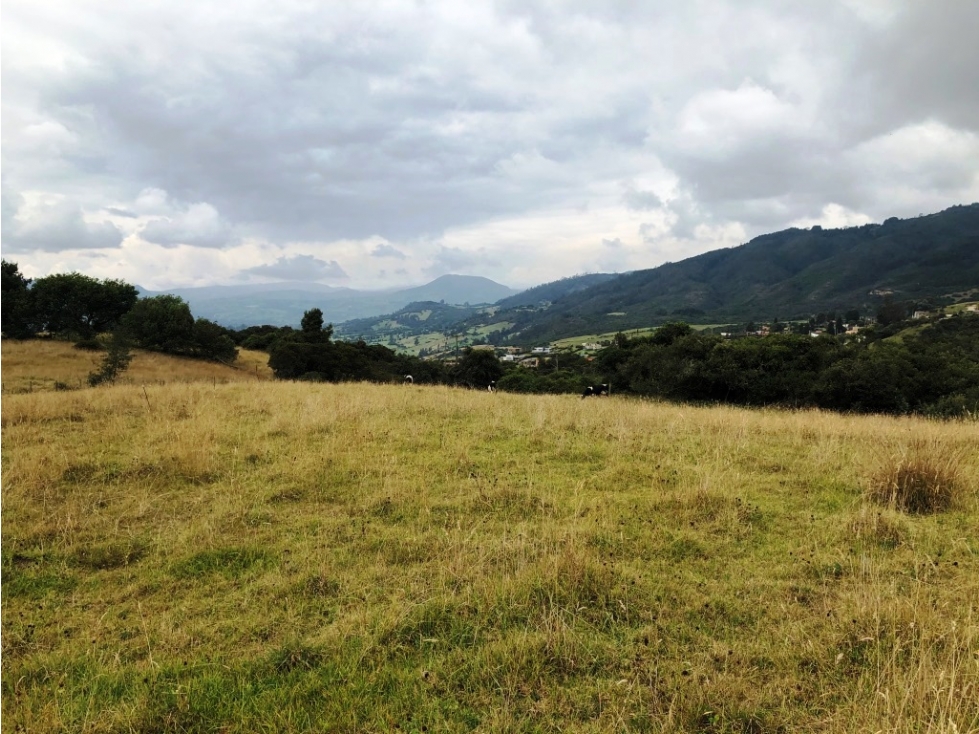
(790, 274)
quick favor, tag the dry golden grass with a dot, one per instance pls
(38, 365)
(300, 557)
(918, 476)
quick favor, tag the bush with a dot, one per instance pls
(90, 345)
(116, 360)
(955, 406)
(922, 478)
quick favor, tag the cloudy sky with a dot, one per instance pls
(373, 144)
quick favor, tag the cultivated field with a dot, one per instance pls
(286, 557)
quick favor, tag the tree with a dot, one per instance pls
(669, 333)
(117, 357)
(165, 324)
(72, 303)
(16, 311)
(478, 368)
(312, 327)
(890, 312)
(161, 323)
(212, 341)
(312, 322)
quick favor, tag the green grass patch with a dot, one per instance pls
(369, 558)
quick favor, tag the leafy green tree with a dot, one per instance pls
(162, 324)
(260, 337)
(165, 324)
(312, 327)
(211, 341)
(289, 359)
(891, 312)
(478, 368)
(669, 333)
(117, 357)
(16, 311)
(72, 303)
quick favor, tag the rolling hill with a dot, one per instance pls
(283, 304)
(790, 274)
(794, 273)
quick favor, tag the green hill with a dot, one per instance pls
(793, 273)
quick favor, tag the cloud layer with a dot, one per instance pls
(196, 142)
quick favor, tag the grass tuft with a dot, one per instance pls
(105, 556)
(295, 655)
(921, 478)
(884, 528)
(229, 562)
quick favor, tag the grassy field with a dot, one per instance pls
(40, 365)
(211, 556)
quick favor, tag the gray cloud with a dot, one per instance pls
(385, 250)
(641, 200)
(448, 260)
(120, 212)
(212, 126)
(299, 268)
(52, 226)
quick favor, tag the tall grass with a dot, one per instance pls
(216, 557)
(49, 364)
(919, 476)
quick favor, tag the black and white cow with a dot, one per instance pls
(596, 390)
(409, 380)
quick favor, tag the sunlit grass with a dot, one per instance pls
(40, 365)
(230, 557)
(919, 476)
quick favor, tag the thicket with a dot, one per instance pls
(165, 324)
(311, 353)
(76, 306)
(65, 304)
(933, 372)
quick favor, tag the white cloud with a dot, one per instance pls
(719, 122)
(916, 169)
(35, 223)
(196, 224)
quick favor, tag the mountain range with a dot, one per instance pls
(283, 304)
(791, 274)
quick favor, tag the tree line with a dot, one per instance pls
(107, 315)
(887, 369)
(934, 371)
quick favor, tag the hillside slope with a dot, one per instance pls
(793, 273)
(39, 365)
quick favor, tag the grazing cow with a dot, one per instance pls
(596, 390)
(408, 380)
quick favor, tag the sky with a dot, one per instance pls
(382, 144)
